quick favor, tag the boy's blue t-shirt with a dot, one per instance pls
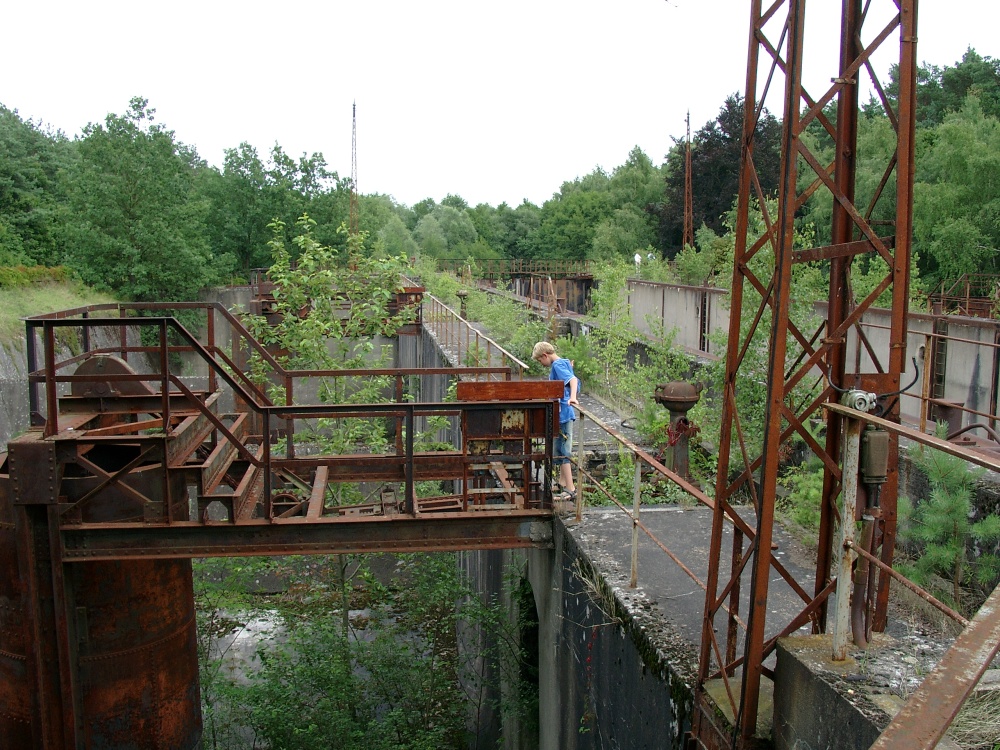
(562, 370)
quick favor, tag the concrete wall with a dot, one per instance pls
(692, 312)
(970, 372)
(821, 703)
(603, 679)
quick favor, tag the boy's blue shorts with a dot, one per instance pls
(563, 447)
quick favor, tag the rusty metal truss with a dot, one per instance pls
(130, 469)
(805, 367)
(133, 445)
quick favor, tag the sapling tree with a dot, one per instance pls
(941, 525)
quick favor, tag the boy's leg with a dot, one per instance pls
(565, 451)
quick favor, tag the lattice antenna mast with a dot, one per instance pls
(806, 366)
(353, 218)
(688, 200)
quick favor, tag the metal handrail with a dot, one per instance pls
(439, 312)
(270, 413)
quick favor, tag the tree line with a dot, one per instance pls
(130, 209)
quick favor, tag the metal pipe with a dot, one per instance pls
(859, 624)
(579, 469)
(929, 598)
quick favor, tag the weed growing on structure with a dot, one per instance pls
(977, 727)
(620, 484)
(799, 506)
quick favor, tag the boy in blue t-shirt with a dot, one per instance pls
(561, 369)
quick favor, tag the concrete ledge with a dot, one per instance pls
(821, 703)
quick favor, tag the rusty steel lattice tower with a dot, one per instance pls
(801, 360)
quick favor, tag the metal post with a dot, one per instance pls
(411, 495)
(845, 553)
(579, 469)
(164, 377)
(34, 414)
(210, 313)
(51, 397)
(636, 497)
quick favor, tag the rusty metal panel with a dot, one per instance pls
(301, 536)
(512, 422)
(179, 403)
(480, 423)
(215, 466)
(508, 390)
(15, 688)
(191, 433)
(34, 470)
(369, 467)
(137, 654)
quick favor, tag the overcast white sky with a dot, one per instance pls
(496, 102)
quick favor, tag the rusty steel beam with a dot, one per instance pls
(299, 536)
(928, 713)
(986, 460)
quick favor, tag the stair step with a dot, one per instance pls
(214, 468)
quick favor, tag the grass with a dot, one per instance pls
(977, 727)
(37, 299)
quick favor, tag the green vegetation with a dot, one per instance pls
(24, 301)
(950, 546)
(800, 506)
(510, 324)
(396, 677)
(128, 208)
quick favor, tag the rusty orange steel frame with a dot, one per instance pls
(776, 47)
(175, 424)
(127, 463)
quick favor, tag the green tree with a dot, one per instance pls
(622, 234)
(517, 238)
(140, 226)
(716, 151)
(374, 213)
(956, 213)
(941, 90)
(455, 201)
(569, 222)
(941, 525)
(31, 190)
(637, 183)
(396, 239)
(421, 209)
(431, 237)
(459, 231)
(243, 203)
